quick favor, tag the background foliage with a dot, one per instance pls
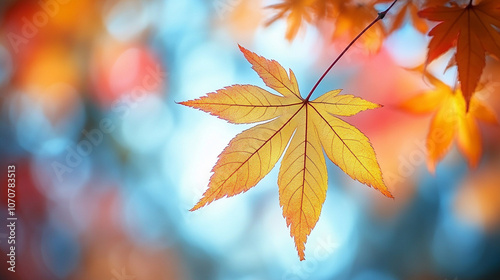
(116, 206)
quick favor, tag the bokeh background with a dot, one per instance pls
(108, 164)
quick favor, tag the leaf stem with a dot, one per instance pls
(380, 16)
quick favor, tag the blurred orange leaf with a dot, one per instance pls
(402, 9)
(472, 29)
(307, 127)
(451, 121)
(295, 11)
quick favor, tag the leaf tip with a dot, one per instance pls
(185, 103)
(384, 190)
(300, 252)
(372, 105)
(197, 206)
(388, 194)
(242, 49)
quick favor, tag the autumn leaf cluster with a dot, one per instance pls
(348, 17)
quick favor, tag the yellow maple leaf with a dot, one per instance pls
(306, 127)
(450, 121)
(473, 29)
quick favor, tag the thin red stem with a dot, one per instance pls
(380, 16)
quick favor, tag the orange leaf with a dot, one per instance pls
(296, 11)
(442, 130)
(306, 127)
(451, 121)
(472, 30)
